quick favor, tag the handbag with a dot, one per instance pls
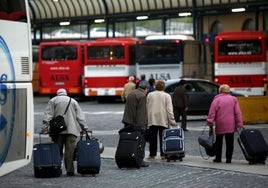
(207, 141)
(57, 124)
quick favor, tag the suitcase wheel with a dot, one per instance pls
(174, 158)
(93, 175)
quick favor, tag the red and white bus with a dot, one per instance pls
(240, 61)
(61, 66)
(108, 64)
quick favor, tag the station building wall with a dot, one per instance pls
(235, 22)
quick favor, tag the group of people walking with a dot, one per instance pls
(148, 106)
(157, 110)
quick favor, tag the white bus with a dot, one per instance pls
(16, 95)
(165, 57)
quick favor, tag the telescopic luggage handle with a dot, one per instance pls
(40, 139)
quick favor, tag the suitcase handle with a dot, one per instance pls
(82, 133)
(239, 130)
(41, 133)
(175, 127)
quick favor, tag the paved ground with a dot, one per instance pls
(193, 171)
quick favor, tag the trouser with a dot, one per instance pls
(156, 131)
(180, 112)
(66, 143)
(142, 155)
(229, 141)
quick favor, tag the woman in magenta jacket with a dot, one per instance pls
(226, 114)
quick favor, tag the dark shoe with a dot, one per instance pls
(216, 161)
(185, 129)
(151, 157)
(144, 165)
(228, 161)
(70, 173)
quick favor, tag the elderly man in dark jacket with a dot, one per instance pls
(180, 104)
(135, 110)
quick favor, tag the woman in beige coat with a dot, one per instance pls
(160, 116)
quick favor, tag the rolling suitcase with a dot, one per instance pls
(46, 159)
(88, 155)
(173, 144)
(253, 145)
(129, 149)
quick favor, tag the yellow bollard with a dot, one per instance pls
(254, 109)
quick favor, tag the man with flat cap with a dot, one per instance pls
(135, 110)
(75, 122)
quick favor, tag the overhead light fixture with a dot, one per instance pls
(142, 17)
(238, 10)
(99, 20)
(185, 14)
(64, 23)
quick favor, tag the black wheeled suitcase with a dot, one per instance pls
(173, 144)
(253, 145)
(88, 155)
(46, 159)
(129, 149)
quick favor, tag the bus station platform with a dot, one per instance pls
(197, 161)
(193, 171)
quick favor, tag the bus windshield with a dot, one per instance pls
(238, 47)
(59, 52)
(106, 52)
(170, 50)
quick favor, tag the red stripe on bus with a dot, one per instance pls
(99, 82)
(241, 80)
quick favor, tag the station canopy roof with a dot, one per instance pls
(51, 11)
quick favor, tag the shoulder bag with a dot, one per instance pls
(57, 124)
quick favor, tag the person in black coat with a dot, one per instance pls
(180, 104)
